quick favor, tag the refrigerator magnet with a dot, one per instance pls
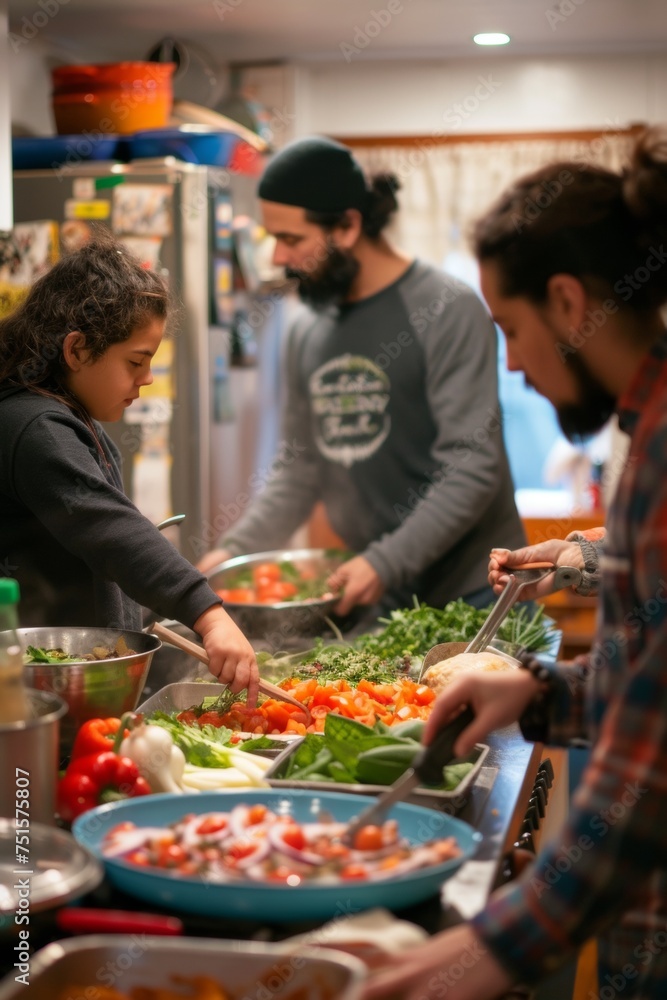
(145, 248)
(94, 210)
(142, 209)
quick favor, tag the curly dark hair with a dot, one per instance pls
(575, 218)
(101, 291)
(380, 207)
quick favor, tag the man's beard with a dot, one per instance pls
(595, 407)
(331, 284)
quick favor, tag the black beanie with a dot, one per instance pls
(316, 174)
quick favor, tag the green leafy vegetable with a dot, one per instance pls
(36, 654)
(205, 746)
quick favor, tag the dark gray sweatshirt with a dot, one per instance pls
(82, 552)
(392, 419)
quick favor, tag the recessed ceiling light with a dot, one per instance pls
(491, 38)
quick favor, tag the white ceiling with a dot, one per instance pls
(258, 30)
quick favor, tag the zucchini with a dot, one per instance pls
(413, 729)
(383, 765)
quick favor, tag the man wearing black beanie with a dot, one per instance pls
(391, 404)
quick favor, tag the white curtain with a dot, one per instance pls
(445, 188)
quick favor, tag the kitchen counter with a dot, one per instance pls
(496, 808)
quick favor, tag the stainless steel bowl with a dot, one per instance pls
(91, 688)
(278, 624)
(60, 870)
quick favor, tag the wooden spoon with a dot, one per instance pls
(199, 653)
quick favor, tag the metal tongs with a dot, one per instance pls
(519, 577)
(426, 769)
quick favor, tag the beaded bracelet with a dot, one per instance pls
(534, 667)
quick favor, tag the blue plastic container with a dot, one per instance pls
(191, 143)
(42, 152)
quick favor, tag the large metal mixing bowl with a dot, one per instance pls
(278, 624)
(91, 688)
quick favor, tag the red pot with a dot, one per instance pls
(113, 97)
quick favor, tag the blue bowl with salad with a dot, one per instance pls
(280, 594)
(272, 855)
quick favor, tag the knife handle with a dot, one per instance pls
(431, 759)
(84, 920)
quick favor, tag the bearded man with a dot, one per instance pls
(390, 392)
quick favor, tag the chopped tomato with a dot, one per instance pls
(171, 856)
(210, 719)
(282, 873)
(212, 824)
(369, 838)
(293, 837)
(239, 850)
(354, 872)
(256, 814)
(266, 572)
(140, 858)
(276, 591)
(238, 595)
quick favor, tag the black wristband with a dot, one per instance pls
(534, 721)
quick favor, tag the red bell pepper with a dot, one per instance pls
(98, 778)
(95, 736)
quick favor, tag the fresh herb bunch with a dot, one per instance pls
(407, 636)
(346, 662)
(412, 631)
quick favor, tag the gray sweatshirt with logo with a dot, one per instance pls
(392, 419)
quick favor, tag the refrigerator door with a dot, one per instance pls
(162, 210)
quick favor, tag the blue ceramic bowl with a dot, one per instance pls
(43, 152)
(192, 143)
(269, 902)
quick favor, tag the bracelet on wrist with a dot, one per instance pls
(541, 673)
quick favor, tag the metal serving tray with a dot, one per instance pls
(243, 969)
(179, 697)
(453, 800)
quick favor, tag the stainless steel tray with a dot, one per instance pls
(455, 798)
(244, 969)
(179, 697)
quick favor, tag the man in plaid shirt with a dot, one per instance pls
(577, 290)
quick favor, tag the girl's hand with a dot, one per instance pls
(231, 657)
(432, 970)
(358, 581)
(554, 550)
(496, 698)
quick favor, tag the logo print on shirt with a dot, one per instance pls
(349, 397)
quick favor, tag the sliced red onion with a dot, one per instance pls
(277, 841)
(239, 825)
(261, 851)
(123, 841)
(190, 836)
(331, 830)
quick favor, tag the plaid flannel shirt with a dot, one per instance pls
(605, 874)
